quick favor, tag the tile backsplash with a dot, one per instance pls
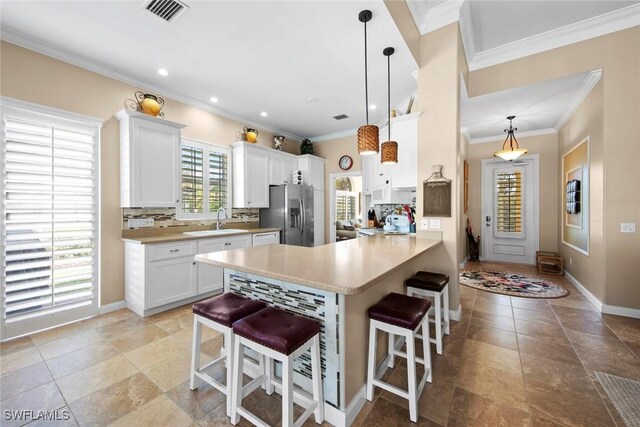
(166, 217)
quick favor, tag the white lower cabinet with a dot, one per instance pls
(162, 276)
(211, 277)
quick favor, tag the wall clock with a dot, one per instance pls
(345, 162)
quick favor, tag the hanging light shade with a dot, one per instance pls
(513, 150)
(389, 155)
(368, 138)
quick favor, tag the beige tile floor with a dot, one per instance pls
(508, 361)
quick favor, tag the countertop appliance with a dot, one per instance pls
(291, 210)
(401, 222)
(268, 238)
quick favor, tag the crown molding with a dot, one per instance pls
(428, 20)
(335, 135)
(587, 86)
(102, 69)
(466, 31)
(597, 26)
(494, 138)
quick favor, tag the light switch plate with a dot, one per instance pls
(424, 224)
(140, 222)
(628, 227)
(434, 224)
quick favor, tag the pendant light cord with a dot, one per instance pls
(366, 79)
(389, 95)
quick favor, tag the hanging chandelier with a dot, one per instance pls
(389, 155)
(368, 138)
(513, 150)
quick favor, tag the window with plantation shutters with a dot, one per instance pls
(345, 206)
(509, 216)
(50, 218)
(205, 180)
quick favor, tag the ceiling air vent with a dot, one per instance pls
(169, 10)
(340, 117)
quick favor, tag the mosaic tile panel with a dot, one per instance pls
(166, 217)
(306, 302)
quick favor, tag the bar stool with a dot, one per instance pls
(436, 286)
(279, 336)
(398, 314)
(219, 313)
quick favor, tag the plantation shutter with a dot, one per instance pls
(509, 202)
(50, 215)
(217, 181)
(192, 180)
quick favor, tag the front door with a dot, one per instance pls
(509, 217)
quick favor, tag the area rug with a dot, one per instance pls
(513, 284)
(623, 393)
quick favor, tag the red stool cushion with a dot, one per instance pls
(277, 329)
(428, 281)
(227, 308)
(400, 310)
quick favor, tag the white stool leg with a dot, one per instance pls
(316, 372)
(426, 346)
(195, 352)
(262, 364)
(438, 304)
(411, 373)
(287, 393)
(269, 388)
(236, 386)
(445, 292)
(371, 367)
(229, 341)
(392, 343)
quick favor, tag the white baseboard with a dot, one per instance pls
(456, 314)
(591, 297)
(621, 311)
(356, 405)
(603, 308)
(114, 306)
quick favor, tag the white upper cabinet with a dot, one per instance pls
(281, 166)
(149, 161)
(312, 168)
(250, 176)
(404, 130)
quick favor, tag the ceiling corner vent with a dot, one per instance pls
(340, 117)
(168, 10)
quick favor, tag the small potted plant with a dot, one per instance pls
(306, 147)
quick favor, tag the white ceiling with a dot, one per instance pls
(496, 23)
(253, 56)
(540, 108)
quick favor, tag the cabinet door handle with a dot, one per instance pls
(174, 250)
(177, 201)
(194, 263)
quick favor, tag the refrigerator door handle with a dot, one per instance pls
(304, 219)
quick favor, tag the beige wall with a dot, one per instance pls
(587, 121)
(618, 55)
(442, 61)
(331, 151)
(33, 77)
(546, 146)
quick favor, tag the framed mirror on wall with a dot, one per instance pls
(575, 197)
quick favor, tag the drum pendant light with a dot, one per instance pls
(513, 151)
(389, 155)
(368, 138)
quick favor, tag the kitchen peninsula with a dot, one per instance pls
(334, 284)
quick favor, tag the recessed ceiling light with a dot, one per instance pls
(213, 99)
(372, 107)
(263, 114)
(312, 99)
(163, 72)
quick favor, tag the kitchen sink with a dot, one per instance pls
(214, 232)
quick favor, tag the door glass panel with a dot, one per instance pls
(509, 218)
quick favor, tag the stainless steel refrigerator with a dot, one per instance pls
(291, 210)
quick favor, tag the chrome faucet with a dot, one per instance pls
(218, 225)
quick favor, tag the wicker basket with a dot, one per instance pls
(389, 155)
(368, 140)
